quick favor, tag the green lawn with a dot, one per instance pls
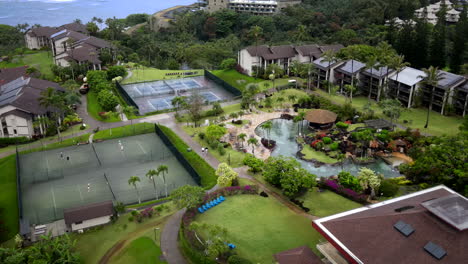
(354, 126)
(320, 156)
(326, 203)
(142, 250)
(42, 60)
(261, 227)
(151, 74)
(9, 213)
(240, 81)
(94, 109)
(227, 110)
(65, 143)
(232, 157)
(285, 95)
(125, 131)
(438, 124)
(93, 244)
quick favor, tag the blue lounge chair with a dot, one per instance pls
(208, 205)
(200, 210)
(204, 207)
(219, 200)
(222, 198)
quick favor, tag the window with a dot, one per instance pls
(15, 132)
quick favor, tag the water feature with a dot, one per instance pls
(284, 132)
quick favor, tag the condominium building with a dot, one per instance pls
(437, 97)
(404, 84)
(325, 71)
(257, 7)
(460, 99)
(430, 12)
(284, 55)
(348, 73)
(372, 81)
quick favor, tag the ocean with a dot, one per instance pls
(59, 12)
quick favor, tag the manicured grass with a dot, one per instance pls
(326, 203)
(207, 173)
(261, 227)
(94, 109)
(232, 157)
(125, 131)
(227, 110)
(320, 156)
(142, 250)
(9, 213)
(240, 81)
(65, 143)
(93, 244)
(438, 124)
(151, 74)
(285, 95)
(354, 126)
(41, 60)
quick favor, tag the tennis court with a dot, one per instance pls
(157, 95)
(54, 180)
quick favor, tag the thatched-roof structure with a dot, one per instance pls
(320, 118)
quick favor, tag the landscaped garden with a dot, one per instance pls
(41, 60)
(142, 250)
(324, 203)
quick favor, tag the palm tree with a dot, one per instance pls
(256, 32)
(241, 138)
(178, 102)
(398, 64)
(50, 98)
(310, 70)
(349, 90)
(163, 169)
(301, 33)
(133, 181)
(151, 174)
(433, 76)
(370, 64)
(252, 141)
(352, 55)
(295, 67)
(328, 56)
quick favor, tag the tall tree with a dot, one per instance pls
(398, 64)
(459, 43)
(371, 64)
(256, 32)
(438, 48)
(328, 57)
(163, 169)
(187, 196)
(405, 44)
(152, 174)
(253, 142)
(430, 81)
(133, 180)
(421, 42)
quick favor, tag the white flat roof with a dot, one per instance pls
(409, 76)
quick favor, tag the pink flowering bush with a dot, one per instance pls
(336, 187)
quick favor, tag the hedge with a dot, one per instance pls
(5, 142)
(207, 173)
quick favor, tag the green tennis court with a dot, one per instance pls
(54, 180)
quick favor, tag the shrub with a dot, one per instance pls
(206, 172)
(12, 141)
(327, 140)
(201, 135)
(221, 149)
(134, 213)
(235, 259)
(334, 146)
(115, 71)
(255, 165)
(228, 64)
(107, 100)
(336, 187)
(388, 188)
(424, 185)
(342, 125)
(347, 180)
(131, 218)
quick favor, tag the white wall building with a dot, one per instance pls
(257, 7)
(87, 216)
(430, 12)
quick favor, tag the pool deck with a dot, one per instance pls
(255, 119)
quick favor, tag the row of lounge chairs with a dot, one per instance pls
(210, 204)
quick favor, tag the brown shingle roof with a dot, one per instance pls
(86, 212)
(43, 31)
(75, 27)
(259, 50)
(300, 255)
(308, 50)
(320, 116)
(85, 53)
(10, 74)
(369, 233)
(335, 48)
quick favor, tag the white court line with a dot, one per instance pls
(47, 163)
(142, 149)
(81, 196)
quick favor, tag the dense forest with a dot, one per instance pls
(199, 39)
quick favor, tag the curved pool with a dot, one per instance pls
(284, 132)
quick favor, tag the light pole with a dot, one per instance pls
(155, 237)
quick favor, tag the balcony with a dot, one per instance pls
(331, 253)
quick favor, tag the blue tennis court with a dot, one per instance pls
(157, 95)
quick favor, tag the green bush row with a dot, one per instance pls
(206, 172)
(189, 252)
(4, 142)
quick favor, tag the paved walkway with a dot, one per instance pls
(169, 239)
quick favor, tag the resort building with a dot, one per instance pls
(320, 118)
(404, 84)
(71, 46)
(428, 226)
(87, 216)
(10, 74)
(256, 7)
(437, 98)
(20, 107)
(325, 71)
(39, 37)
(460, 101)
(372, 81)
(430, 12)
(262, 56)
(348, 73)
